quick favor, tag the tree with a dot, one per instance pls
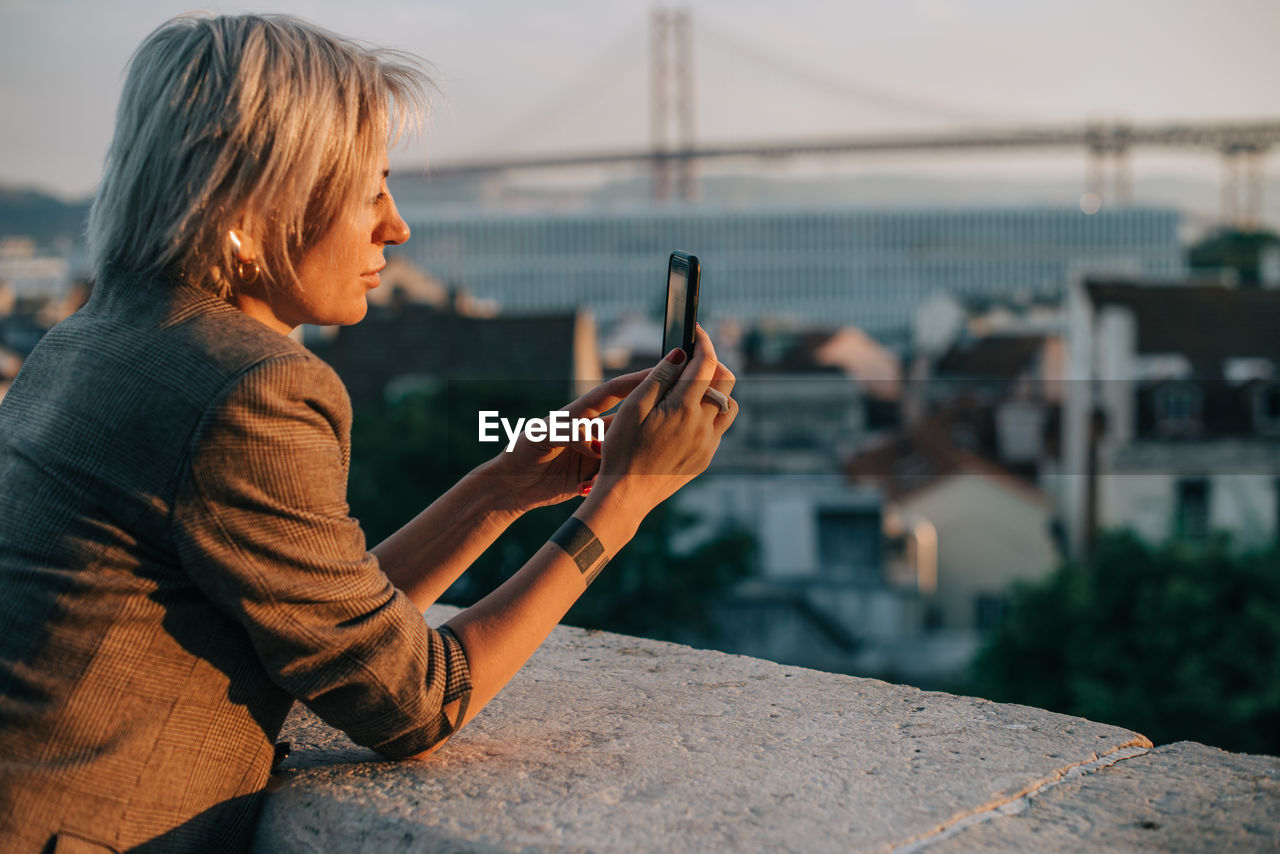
(407, 452)
(1177, 642)
(1233, 249)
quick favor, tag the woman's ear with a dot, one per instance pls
(243, 245)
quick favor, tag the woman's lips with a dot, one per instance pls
(373, 278)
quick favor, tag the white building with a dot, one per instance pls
(822, 597)
(972, 528)
(1172, 426)
(31, 273)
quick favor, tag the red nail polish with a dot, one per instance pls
(595, 446)
(676, 356)
(586, 490)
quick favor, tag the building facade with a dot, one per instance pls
(831, 267)
(1173, 423)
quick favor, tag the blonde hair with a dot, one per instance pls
(260, 122)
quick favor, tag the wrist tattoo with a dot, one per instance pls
(581, 545)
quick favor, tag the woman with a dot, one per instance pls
(177, 563)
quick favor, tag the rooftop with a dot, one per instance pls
(1176, 318)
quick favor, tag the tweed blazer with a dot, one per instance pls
(177, 564)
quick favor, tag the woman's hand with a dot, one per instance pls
(663, 435)
(667, 430)
(535, 474)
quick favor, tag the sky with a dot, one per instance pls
(557, 75)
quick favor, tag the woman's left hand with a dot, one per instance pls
(536, 474)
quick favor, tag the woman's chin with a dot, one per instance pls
(358, 314)
(351, 314)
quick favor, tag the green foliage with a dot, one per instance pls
(652, 591)
(1180, 642)
(1233, 249)
(408, 452)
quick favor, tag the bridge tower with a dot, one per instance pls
(671, 105)
(1109, 145)
(1243, 180)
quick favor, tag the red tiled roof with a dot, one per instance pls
(992, 357)
(910, 462)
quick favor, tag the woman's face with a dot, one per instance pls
(342, 267)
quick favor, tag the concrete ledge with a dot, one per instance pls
(611, 743)
(1180, 797)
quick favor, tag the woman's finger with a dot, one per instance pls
(600, 399)
(606, 395)
(593, 445)
(656, 385)
(587, 472)
(724, 380)
(699, 373)
(591, 441)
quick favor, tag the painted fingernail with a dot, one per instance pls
(586, 490)
(676, 356)
(595, 446)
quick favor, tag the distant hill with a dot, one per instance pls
(46, 218)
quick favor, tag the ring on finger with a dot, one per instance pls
(717, 397)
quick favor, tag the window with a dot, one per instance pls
(1275, 532)
(989, 610)
(849, 544)
(1266, 408)
(1192, 521)
(1177, 409)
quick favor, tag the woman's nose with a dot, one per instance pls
(393, 229)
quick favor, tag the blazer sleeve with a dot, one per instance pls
(262, 527)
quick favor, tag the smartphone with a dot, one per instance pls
(683, 275)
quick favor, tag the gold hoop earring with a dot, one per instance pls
(248, 271)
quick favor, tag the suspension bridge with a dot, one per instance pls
(672, 154)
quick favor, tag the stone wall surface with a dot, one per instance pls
(1178, 797)
(611, 743)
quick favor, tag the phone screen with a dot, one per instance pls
(677, 293)
(682, 302)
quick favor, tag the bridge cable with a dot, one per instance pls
(844, 88)
(581, 89)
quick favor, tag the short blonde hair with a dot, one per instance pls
(261, 122)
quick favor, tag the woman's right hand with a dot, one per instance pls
(666, 432)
